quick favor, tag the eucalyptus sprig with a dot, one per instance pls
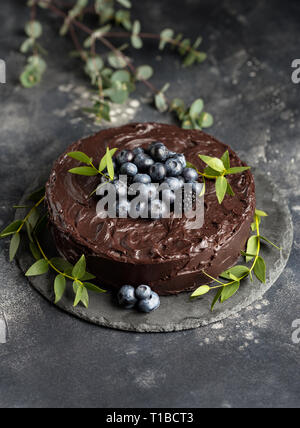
(236, 274)
(114, 74)
(33, 223)
(217, 169)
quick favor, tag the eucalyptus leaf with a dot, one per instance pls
(161, 102)
(110, 166)
(165, 36)
(196, 108)
(136, 42)
(33, 29)
(78, 295)
(85, 297)
(237, 271)
(144, 72)
(206, 120)
(237, 170)
(216, 298)
(35, 251)
(125, 3)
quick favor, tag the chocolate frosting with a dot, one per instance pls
(166, 254)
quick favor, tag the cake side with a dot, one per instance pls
(162, 253)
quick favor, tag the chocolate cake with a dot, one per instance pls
(165, 253)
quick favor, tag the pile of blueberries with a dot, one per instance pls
(148, 166)
(142, 297)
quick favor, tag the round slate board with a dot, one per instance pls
(178, 313)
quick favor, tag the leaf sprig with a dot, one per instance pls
(34, 222)
(217, 169)
(114, 74)
(106, 163)
(236, 274)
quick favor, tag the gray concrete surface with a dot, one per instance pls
(51, 359)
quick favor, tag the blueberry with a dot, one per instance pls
(124, 156)
(122, 208)
(150, 304)
(168, 196)
(182, 159)
(143, 292)
(181, 180)
(197, 188)
(126, 297)
(158, 172)
(143, 162)
(174, 167)
(159, 152)
(138, 151)
(190, 175)
(139, 210)
(173, 183)
(129, 169)
(142, 178)
(158, 209)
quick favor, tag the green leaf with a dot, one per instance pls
(94, 288)
(144, 72)
(229, 291)
(252, 247)
(125, 3)
(33, 29)
(190, 165)
(30, 78)
(226, 159)
(110, 166)
(14, 246)
(237, 170)
(161, 102)
(11, 229)
(84, 170)
(260, 269)
(260, 213)
(271, 243)
(136, 29)
(103, 163)
(136, 42)
(206, 120)
(39, 268)
(35, 251)
(211, 172)
(62, 265)
(196, 109)
(79, 290)
(221, 188)
(214, 163)
(59, 287)
(165, 36)
(230, 191)
(237, 271)
(81, 157)
(80, 268)
(33, 218)
(216, 298)
(201, 291)
(122, 76)
(37, 195)
(116, 61)
(85, 297)
(87, 277)
(27, 45)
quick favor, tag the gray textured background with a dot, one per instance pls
(51, 359)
